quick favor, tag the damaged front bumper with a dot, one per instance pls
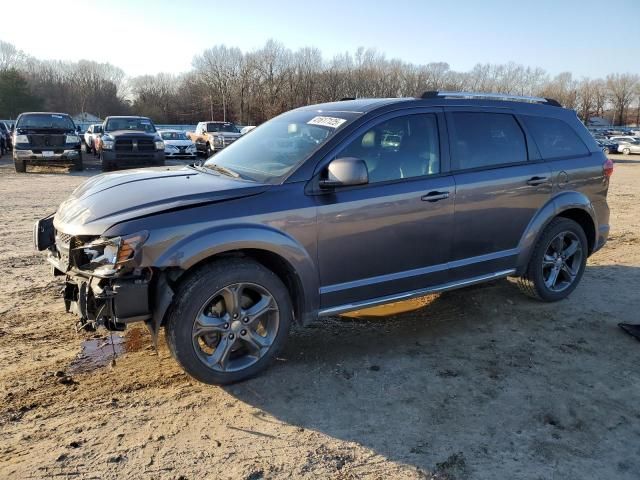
(113, 301)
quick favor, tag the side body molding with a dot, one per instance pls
(204, 244)
(561, 202)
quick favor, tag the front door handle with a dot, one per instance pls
(534, 181)
(435, 196)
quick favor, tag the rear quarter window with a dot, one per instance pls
(555, 138)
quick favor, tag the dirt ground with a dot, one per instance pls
(481, 383)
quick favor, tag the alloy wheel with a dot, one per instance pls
(235, 327)
(562, 261)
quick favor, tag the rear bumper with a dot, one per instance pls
(36, 156)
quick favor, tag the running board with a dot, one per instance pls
(414, 293)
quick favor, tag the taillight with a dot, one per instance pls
(607, 167)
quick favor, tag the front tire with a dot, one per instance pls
(557, 263)
(626, 151)
(228, 321)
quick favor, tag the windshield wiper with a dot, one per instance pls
(223, 170)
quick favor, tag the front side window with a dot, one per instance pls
(555, 138)
(402, 147)
(483, 140)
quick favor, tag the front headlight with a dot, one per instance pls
(169, 147)
(108, 255)
(21, 139)
(159, 145)
(107, 143)
(72, 139)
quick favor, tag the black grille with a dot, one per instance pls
(134, 144)
(42, 140)
(124, 145)
(146, 145)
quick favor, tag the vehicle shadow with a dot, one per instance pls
(483, 375)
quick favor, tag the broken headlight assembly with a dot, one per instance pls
(106, 256)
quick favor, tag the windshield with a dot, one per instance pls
(277, 147)
(174, 136)
(222, 127)
(46, 120)
(143, 124)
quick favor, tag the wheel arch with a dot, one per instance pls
(272, 248)
(572, 205)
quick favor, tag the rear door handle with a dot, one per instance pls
(533, 181)
(435, 196)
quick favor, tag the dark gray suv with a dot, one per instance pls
(331, 208)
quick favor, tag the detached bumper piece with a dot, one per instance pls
(107, 302)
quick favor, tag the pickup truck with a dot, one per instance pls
(211, 137)
(46, 138)
(130, 142)
(90, 136)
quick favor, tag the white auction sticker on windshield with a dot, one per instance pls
(333, 122)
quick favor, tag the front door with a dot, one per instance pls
(394, 234)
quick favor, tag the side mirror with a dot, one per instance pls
(344, 172)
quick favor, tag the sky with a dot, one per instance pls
(146, 37)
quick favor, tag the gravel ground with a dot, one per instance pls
(480, 383)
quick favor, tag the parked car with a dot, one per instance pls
(130, 142)
(607, 145)
(90, 136)
(6, 137)
(178, 145)
(314, 214)
(621, 138)
(46, 138)
(211, 137)
(629, 146)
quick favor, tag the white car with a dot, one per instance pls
(177, 144)
(90, 135)
(628, 146)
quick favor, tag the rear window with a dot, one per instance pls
(46, 120)
(555, 138)
(481, 139)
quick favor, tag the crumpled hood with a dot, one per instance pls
(111, 198)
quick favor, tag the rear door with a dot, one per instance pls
(501, 182)
(394, 234)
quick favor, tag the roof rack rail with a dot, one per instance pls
(346, 99)
(490, 96)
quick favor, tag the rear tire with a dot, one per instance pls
(626, 151)
(210, 293)
(539, 281)
(20, 166)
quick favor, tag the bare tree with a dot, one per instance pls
(622, 88)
